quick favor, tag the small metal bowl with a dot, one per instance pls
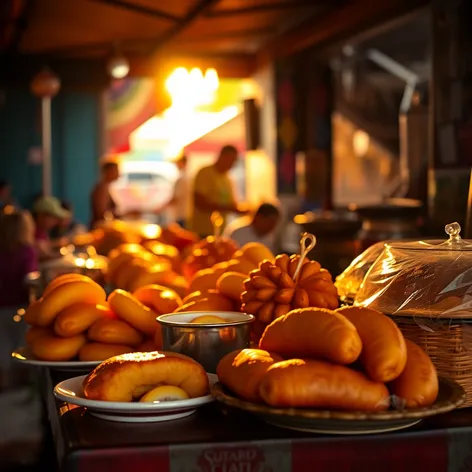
(206, 343)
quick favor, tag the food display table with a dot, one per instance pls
(220, 440)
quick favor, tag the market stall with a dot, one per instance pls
(206, 356)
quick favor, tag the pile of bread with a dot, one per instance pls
(75, 320)
(349, 359)
(147, 377)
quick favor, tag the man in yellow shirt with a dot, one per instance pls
(213, 192)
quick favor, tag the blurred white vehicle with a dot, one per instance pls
(144, 185)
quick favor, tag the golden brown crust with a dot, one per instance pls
(313, 333)
(318, 384)
(127, 377)
(241, 371)
(418, 384)
(383, 345)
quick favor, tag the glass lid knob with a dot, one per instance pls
(453, 230)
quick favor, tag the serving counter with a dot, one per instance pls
(219, 440)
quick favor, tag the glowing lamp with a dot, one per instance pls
(118, 67)
(45, 84)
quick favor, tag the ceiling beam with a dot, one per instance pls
(135, 42)
(337, 24)
(266, 7)
(195, 12)
(163, 15)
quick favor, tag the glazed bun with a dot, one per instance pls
(130, 376)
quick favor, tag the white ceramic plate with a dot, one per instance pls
(71, 391)
(24, 355)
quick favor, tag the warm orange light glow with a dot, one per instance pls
(360, 143)
(188, 90)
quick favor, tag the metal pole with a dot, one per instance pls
(46, 144)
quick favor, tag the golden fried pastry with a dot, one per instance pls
(67, 294)
(317, 384)
(383, 346)
(130, 376)
(313, 332)
(159, 299)
(53, 348)
(418, 385)
(131, 310)
(35, 332)
(114, 332)
(101, 351)
(242, 371)
(76, 319)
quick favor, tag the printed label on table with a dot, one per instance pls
(243, 457)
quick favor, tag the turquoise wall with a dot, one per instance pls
(75, 131)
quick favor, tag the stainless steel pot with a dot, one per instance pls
(205, 343)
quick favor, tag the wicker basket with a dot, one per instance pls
(449, 344)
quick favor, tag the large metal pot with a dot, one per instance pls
(395, 219)
(336, 234)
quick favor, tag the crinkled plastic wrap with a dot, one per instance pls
(422, 279)
(350, 280)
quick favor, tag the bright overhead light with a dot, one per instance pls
(118, 67)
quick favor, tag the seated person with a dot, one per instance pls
(47, 213)
(67, 227)
(258, 228)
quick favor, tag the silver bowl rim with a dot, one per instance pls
(162, 319)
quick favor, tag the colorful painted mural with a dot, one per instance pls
(130, 103)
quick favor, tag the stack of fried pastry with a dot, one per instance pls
(349, 359)
(219, 287)
(74, 320)
(146, 377)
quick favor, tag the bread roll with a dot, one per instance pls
(131, 310)
(383, 346)
(159, 299)
(313, 332)
(231, 284)
(418, 385)
(114, 332)
(130, 376)
(55, 349)
(318, 384)
(78, 318)
(35, 332)
(101, 351)
(67, 294)
(242, 371)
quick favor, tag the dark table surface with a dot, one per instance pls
(225, 440)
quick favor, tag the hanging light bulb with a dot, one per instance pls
(118, 67)
(211, 80)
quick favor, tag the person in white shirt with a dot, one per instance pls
(179, 203)
(258, 228)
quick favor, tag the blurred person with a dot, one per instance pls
(102, 204)
(213, 192)
(261, 227)
(6, 198)
(180, 201)
(67, 227)
(18, 257)
(47, 213)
